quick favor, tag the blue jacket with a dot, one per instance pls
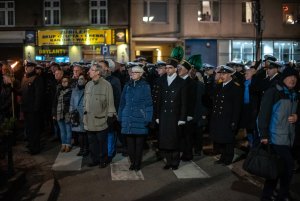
(277, 105)
(136, 109)
(77, 95)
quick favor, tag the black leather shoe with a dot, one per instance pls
(131, 167)
(185, 159)
(166, 167)
(219, 162)
(80, 153)
(137, 168)
(174, 167)
(102, 165)
(93, 164)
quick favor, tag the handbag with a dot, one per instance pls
(75, 116)
(263, 162)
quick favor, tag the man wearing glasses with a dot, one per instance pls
(98, 110)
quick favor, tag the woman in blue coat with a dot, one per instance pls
(135, 113)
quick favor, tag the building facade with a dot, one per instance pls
(219, 30)
(64, 31)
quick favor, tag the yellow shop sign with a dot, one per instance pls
(74, 37)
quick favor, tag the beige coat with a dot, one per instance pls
(98, 105)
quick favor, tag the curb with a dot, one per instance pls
(49, 191)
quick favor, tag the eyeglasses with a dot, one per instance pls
(92, 69)
(170, 67)
(135, 72)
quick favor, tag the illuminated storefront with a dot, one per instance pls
(74, 45)
(217, 52)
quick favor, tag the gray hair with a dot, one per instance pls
(98, 68)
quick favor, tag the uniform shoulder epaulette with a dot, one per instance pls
(237, 84)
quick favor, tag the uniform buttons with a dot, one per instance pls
(171, 111)
(173, 91)
(165, 110)
(172, 101)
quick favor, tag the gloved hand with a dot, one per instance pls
(181, 123)
(110, 120)
(157, 121)
(233, 126)
(189, 118)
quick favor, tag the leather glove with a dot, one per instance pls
(189, 118)
(181, 123)
(233, 126)
(110, 120)
(157, 121)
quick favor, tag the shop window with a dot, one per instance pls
(51, 12)
(291, 13)
(243, 50)
(283, 50)
(247, 12)
(155, 11)
(7, 13)
(98, 12)
(209, 11)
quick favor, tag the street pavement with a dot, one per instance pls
(200, 179)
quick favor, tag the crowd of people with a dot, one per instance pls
(106, 103)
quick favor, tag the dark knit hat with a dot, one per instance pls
(289, 71)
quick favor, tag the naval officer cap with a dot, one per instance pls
(160, 64)
(273, 64)
(269, 57)
(208, 66)
(225, 69)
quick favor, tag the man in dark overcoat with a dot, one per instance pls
(189, 127)
(227, 102)
(32, 91)
(171, 114)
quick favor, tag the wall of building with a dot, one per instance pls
(75, 13)
(140, 28)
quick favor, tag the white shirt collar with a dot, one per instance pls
(171, 78)
(184, 77)
(224, 83)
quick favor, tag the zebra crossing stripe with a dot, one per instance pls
(190, 170)
(68, 161)
(120, 170)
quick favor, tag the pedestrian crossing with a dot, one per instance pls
(119, 168)
(68, 161)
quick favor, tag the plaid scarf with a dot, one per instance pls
(60, 104)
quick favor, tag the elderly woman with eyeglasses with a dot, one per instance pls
(135, 113)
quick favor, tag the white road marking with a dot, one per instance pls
(68, 161)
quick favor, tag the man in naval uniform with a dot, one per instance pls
(188, 129)
(171, 115)
(227, 102)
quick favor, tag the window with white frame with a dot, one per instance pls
(155, 11)
(247, 12)
(7, 13)
(51, 12)
(209, 11)
(98, 12)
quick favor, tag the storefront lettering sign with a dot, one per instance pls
(74, 37)
(52, 51)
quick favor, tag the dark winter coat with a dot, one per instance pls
(227, 104)
(172, 107)
(32, 91)
(136, 109)
(277, 105)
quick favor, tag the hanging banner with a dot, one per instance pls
(74, 37)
